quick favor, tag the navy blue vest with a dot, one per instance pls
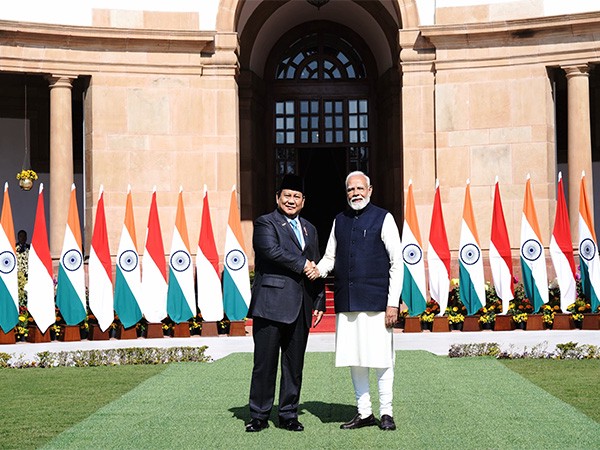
(362, 265)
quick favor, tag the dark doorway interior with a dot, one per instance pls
(324, 173)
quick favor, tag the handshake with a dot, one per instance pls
(311, 271)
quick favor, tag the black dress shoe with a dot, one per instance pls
(387, 423)
(256, 425)
(291, 425)
(357, 422)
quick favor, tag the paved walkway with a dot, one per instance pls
(221, 346)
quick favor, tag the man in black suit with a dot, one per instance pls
(283, 300)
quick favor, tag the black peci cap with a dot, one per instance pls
(292, 182)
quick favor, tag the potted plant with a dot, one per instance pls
(493, 306)
(26, 178)
(578, 309)
(426, 317)
(455, 310)
(548, 315)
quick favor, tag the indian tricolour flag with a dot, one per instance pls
(413, 289)
(127, 280)
(561, 250)
(588, 250)
(100, 270)
(472, 281)
(70, 293)
(438, 254)
(181, 300)
(236, 278)
(9, 284)
(500, 254)
(210, 295)
(154, 273)
(40, 284)
(533, 257)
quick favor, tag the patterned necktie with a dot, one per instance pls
(296, 227)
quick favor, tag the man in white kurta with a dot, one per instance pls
(368, 283)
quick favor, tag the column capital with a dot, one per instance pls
(59, 80)
(577, 70)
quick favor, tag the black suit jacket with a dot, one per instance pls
(280, 291)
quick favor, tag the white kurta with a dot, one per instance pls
(362, 338)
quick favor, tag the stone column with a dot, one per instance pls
(61, 158)
(579, 138)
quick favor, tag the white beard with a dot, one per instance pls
(360, 204)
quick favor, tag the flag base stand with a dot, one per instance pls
(535, 322)
(209, 329)
(7, 338)
(440, 324)
(181, 329)
(96, 334)
(562, 321)
(36, 336)
(591, 321)
(504, 323)
(412, 324)
(154, 330)
(129, 333)
(237, 328)
(70, 333)
(471, 323)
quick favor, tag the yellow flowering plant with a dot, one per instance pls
(27, 174)
(431, 309)
(455, 310)
(548, 314)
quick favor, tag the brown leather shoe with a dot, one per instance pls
(358, 422)
(256, 425)
(387, 423)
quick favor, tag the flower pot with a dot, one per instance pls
(591, 321)
(535, 322)
(440, 324)
(128, 333)
(504, 323)
(181, 329)
(471, 323)
(458, 326)
(488, 326)
(70, 333)
(209, 329)
(96, 334)
(562, 321)
(426, 326)
(520, 325)
(154, 330)
(237, 328)
(412, 325)
(578, 324)
(26, 184)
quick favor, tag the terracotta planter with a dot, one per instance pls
(209, 329)
(535, 322)
(471, 323)
(504, 323)
(562, 322)
(237, 328)
(591, 321)
(412, 325)
(440, 324)
(36, 336)
(181, 329)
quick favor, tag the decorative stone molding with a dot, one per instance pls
(224, 61)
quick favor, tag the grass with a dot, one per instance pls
(572, 381)
(439, 402)
(37, 404)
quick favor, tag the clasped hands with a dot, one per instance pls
(311, 271)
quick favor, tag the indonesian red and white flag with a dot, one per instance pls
(181, 299)
(154, 269)
(210, 294)
(588, 250)
(70, 292)
(100, 270)
(438, 254)
(500, 254)
(533, 256)
(40, 282)
(561, 250)
(9, 283)
(236, 276)
(472, 281)
(414, 291)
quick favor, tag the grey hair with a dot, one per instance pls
(358, 173)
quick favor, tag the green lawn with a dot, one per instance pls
(439, 402)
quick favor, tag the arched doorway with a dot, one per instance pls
(320, 114)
